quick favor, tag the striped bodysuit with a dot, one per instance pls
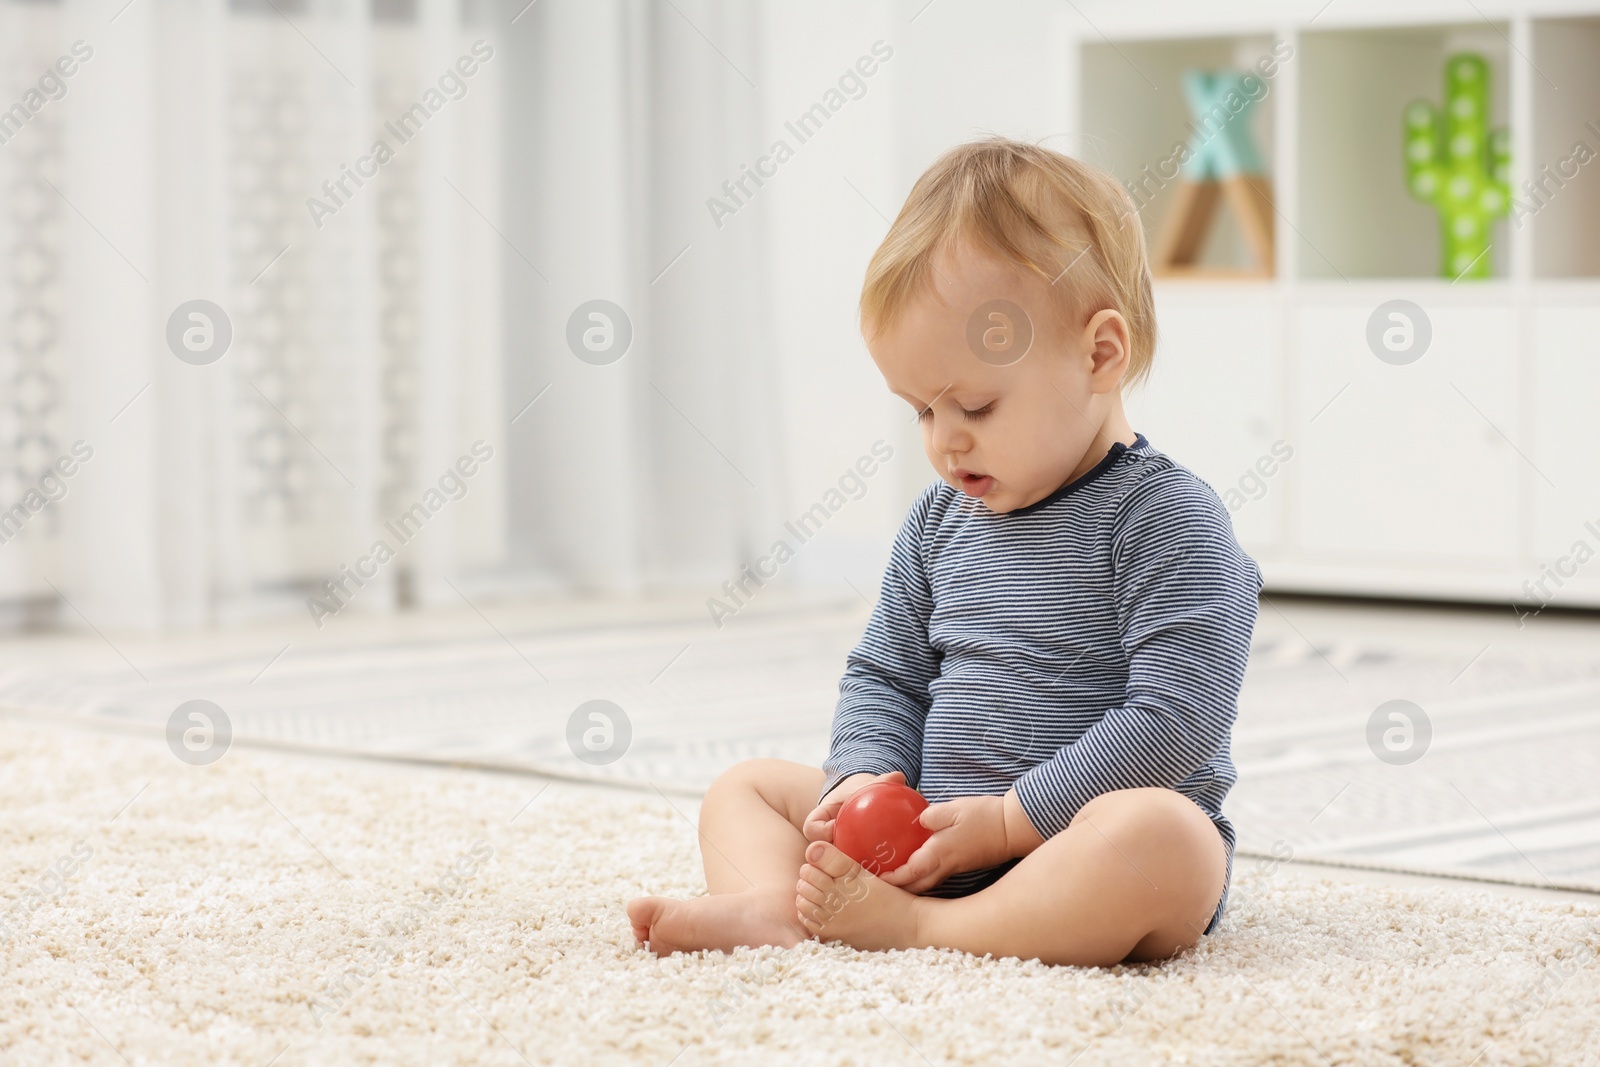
(1092, 641)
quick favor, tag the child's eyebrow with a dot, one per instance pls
(914, 402)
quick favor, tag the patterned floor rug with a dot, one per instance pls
(1489, 773)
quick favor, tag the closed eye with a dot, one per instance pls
(976, 415)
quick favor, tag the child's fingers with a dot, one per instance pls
(938, 816)
(932, 875)
(818, 826)
(920, 864)
(828, 809)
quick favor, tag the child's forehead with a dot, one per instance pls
(922, 366)
(932, 342)
(964, 286)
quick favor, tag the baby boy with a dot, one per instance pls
(1055, 657)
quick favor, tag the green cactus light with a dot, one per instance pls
(1460, 166)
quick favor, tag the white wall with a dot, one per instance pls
(755, 330)
(958, 71)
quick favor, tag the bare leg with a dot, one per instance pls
(752, 848)
(1135, 877)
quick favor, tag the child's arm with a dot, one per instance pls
(883, 696)
(1186, 597)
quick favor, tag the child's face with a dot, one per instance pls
(1010, 435)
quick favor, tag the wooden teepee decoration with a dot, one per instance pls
(1223, 161)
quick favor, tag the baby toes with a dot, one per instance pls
(814, 886)
(830, 860)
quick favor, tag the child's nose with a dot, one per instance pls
(949, 436)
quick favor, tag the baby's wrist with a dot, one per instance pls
(849, 784)
(1020, 836)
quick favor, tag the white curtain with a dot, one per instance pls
(382, 331)
(665, 467)
(175, 163)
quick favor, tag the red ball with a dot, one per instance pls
(878, 827)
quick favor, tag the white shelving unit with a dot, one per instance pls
(1465, 475)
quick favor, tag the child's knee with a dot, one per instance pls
(784, 786)
(749, 774)
(1160, 822)
(741, 773)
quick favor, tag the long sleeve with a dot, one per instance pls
(1186, 601)
(883, 696)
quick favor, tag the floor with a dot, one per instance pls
(125, 682)
(288, 909)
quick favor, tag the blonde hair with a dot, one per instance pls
(1035, 208)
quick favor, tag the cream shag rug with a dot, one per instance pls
(289, 910)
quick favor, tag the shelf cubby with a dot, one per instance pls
(1136, 117)
(1356, 217)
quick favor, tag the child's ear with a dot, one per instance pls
(1110, 349)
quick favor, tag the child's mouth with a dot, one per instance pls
(976, 484)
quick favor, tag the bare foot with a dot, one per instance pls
(723, 921)
(838, 901)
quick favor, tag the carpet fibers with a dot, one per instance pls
(280, 909)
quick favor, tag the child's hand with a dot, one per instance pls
(969, 834)
(819, 824)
